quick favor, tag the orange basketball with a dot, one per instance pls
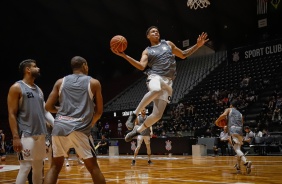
(221, 123)
(118, 43)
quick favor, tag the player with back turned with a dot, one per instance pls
(235, 127)
(80, 101)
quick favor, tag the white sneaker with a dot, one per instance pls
(130, 121)
(67, 163)
(129, 136)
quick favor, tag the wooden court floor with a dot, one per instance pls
(165, 169)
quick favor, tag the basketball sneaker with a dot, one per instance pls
(248, 167)
(133, 162)
(150, 162)
(238, 169)
(130, 121)
(67, 163)
(132, 134)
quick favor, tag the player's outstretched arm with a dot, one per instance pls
(140, 65)
(201, 40)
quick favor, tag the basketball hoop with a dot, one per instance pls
(197, 4)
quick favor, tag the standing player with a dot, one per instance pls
(235, 127)
(75, 116)
(161, 63)
(27, 119)
(144, 135)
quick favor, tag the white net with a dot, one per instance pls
(197, 4)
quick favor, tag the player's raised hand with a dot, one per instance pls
(202, 39)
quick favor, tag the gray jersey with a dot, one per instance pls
(141, 120)
(76, 106)
(31, 118)
(161, 61)
(235, 122)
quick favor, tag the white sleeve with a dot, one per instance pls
(48, 117)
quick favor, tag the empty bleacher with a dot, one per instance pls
(264, 72)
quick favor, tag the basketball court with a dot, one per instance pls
(165, 169)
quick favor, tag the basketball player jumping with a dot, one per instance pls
(161, 63)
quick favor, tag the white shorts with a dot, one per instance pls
(83, 145)
(157, 83)
(140, 139)
(34, 148)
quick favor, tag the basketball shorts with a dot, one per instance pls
(157, 83)
(34, 148)
(140, 139)
(83, 145)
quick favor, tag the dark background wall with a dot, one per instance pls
(52, 32)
